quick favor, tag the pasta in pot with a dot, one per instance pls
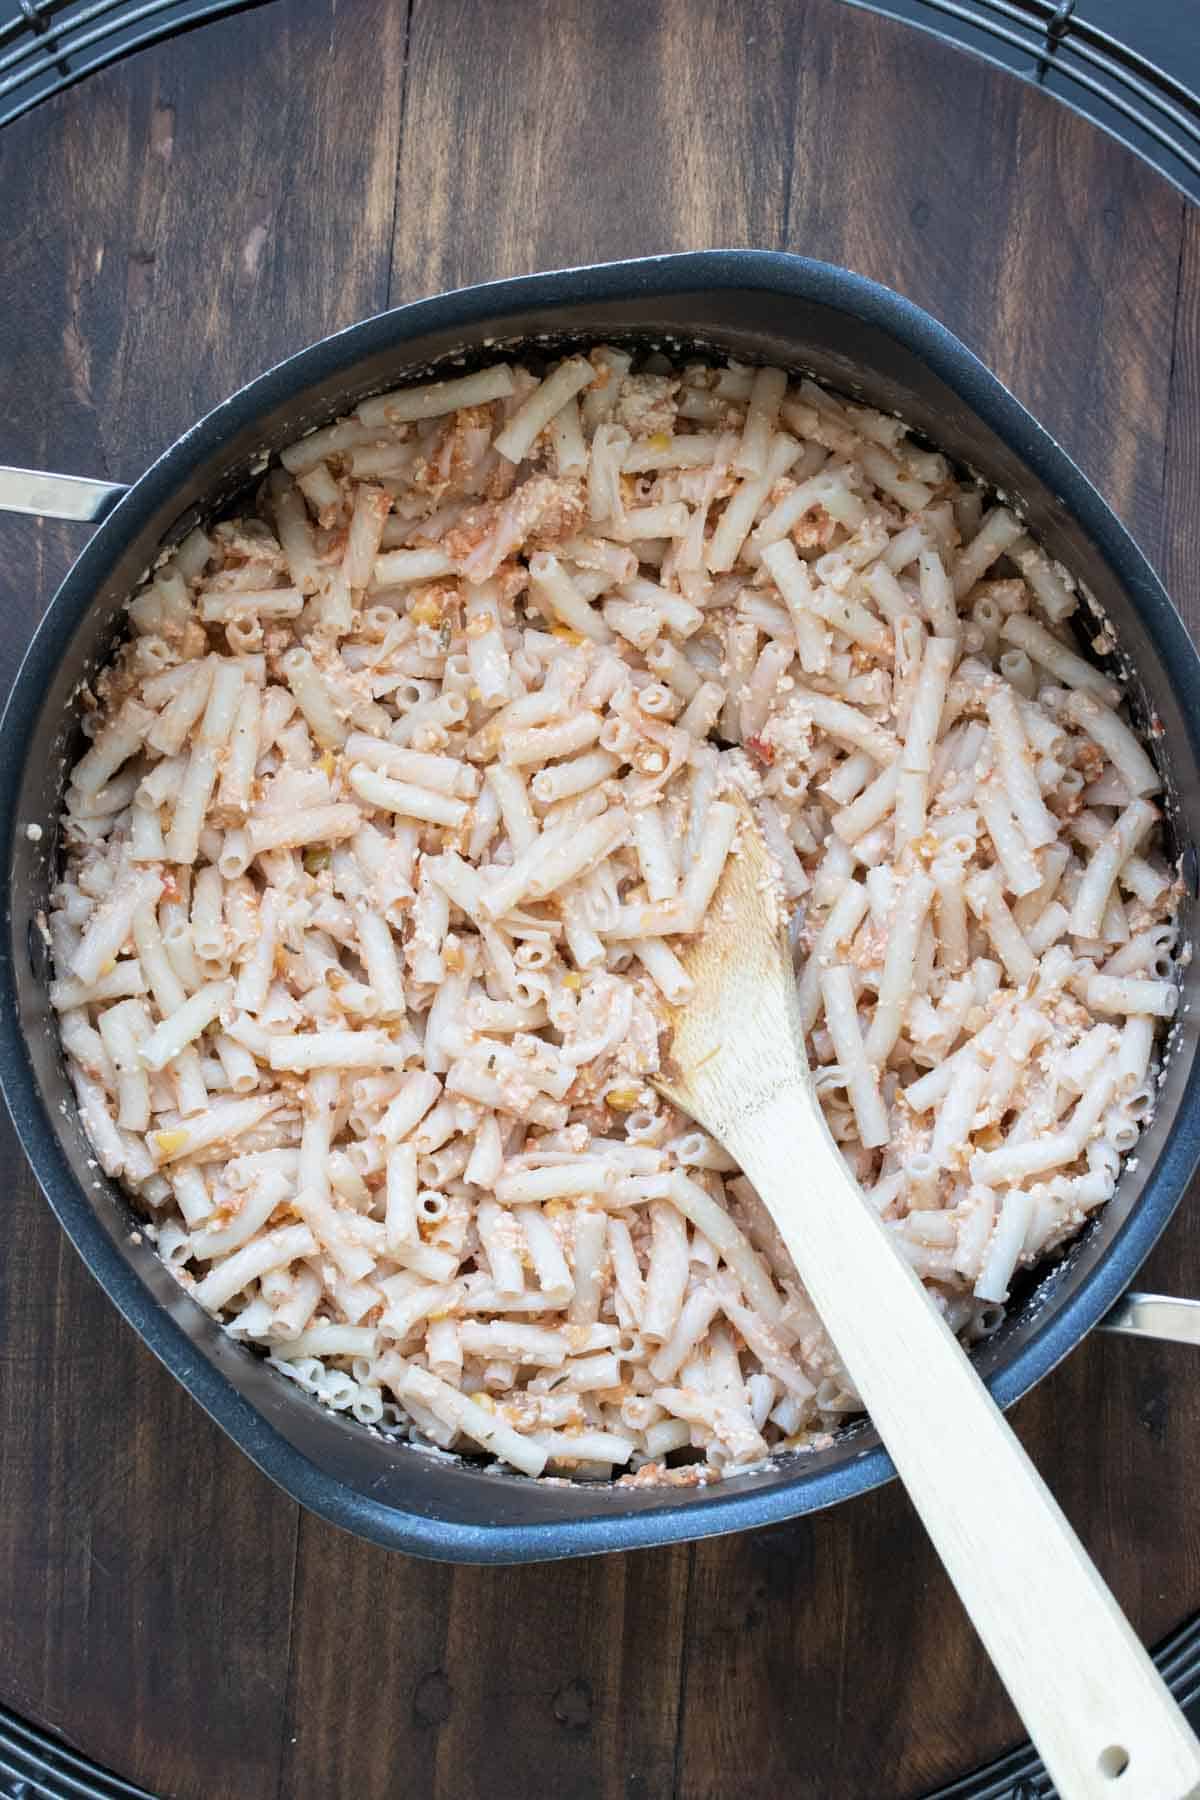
(399, 801)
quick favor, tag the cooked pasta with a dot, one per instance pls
(405, 793)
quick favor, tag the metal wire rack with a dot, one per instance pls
(33, 1766)
(1062, 45)
(47, 45)
(1021, 1776)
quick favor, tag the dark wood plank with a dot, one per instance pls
(1181, 443)
(141, 1569)
(35, 554)
(501, 1681)
(539, 134)
(230, 200)
(175, 226)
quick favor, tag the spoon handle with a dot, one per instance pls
(1093, 1702)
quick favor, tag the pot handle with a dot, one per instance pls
(1160, 1316)
(50, 496)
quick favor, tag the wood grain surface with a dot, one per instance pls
(168, 229)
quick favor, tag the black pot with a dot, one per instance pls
(849, 333)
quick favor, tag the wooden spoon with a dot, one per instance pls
(1093, 1702)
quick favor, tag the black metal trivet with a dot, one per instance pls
(1108, 59)
(36, 1766)
(47, 45)
(1020, 1775)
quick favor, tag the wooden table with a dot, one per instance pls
(171, 227)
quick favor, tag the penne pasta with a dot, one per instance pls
(401, 801)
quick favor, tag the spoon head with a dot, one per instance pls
(738, 1036)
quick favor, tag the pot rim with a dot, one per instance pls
(653, 279)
